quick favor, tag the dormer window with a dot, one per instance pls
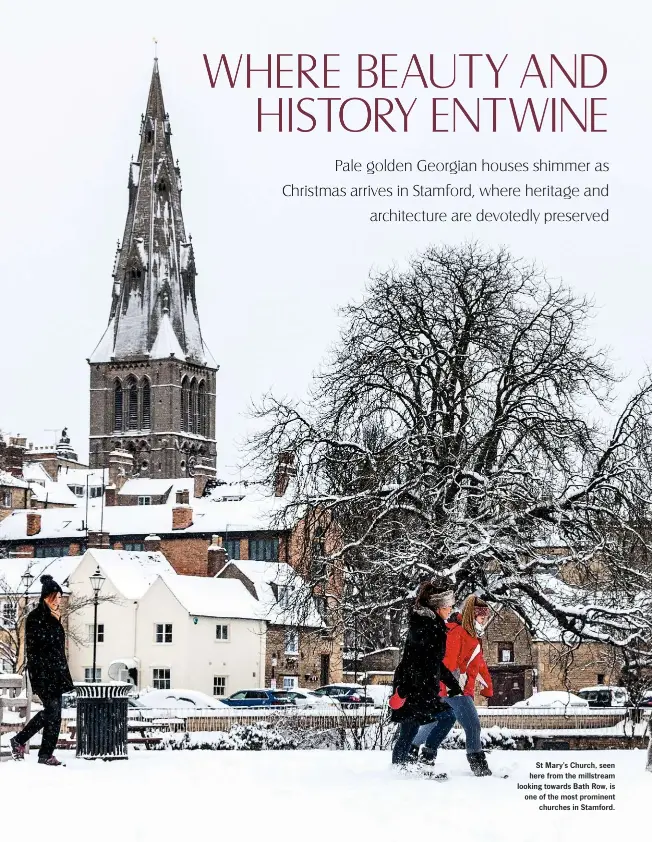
(162, 187)
(149, 136)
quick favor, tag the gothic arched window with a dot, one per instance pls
(194, 407)
(146, 405)
(201, 409)
(132, 404)
(117, 406)
(185, 404)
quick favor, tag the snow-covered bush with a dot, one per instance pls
(238, 738)
(496, 737)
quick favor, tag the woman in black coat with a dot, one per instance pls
(45, 642)
(417, 677)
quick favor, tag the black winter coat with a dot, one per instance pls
(421, 668)
(46, 653)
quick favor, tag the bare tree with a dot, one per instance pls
(16, 605)
(463, 424)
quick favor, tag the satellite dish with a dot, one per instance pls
(123, 670)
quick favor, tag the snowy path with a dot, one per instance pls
(312, 794)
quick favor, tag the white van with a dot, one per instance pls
(604, 696)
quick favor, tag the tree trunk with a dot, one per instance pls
(648, 768)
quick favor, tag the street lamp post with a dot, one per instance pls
(97, 580)
(26, 581)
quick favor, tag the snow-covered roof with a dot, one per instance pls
(132, 573)
(54, 493)
(254, 513)
(145, 487)
(10, 481)
(213, 597)
(267, 577)
(12, 570)
(35, 472)
(96, 477)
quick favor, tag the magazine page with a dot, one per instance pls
(338, 319)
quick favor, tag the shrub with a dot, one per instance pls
(238, 738)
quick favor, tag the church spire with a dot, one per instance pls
(153, 305)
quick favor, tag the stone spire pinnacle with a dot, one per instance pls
(153, 304)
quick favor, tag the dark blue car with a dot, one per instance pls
(259, 698)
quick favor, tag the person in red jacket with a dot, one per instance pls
(464, 657)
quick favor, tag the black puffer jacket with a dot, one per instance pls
(46, 653)
(421, 668)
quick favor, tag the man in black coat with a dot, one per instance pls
(418, 675)
(45, 642)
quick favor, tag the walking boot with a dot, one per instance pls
(478, 764)
(50, 761)
(17, 749)
(428, 756)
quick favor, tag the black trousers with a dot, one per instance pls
(49, 719)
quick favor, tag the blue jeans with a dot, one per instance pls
(437, 733)
(466, 714)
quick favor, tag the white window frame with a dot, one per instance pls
(5, 499)
(290, 682)
(159, 679)
(145, 500)
(220, 628)
(223, 678)
(291, 636)
(100, 631)
(164, 627)
(88, 672)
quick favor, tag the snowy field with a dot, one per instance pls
(315, 795)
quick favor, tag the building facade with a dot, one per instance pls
(152, 379)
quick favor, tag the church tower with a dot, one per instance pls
(152, 377)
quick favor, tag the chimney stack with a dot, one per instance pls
(217, 558)
(153, 543)
(181, 517)
(284, 471)
(201, 476)
(121, 467)
(98, 540)
(33, 523)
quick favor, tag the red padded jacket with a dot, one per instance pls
(464, 653)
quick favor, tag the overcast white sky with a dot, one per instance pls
(272, 270)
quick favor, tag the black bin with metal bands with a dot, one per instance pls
(102, 721)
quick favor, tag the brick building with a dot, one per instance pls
(301, 652)
(152, 378)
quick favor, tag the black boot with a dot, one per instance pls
(413, 754)
(428, 756)
(478, 764)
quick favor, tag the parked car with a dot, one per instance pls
(380, 693)
(259, 698)
(309, 699)
(186, 700)
(555, 699)
(348, 695)
(604, 696)
(646, 701)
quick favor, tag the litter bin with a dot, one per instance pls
(102, 721)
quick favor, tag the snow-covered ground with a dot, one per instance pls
(320, 795)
